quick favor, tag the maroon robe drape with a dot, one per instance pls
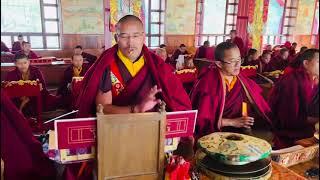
(290, 100)
(49, 101)
(31, 55)
(4, 47)
(172, 91)
(22, 154)
(278, 63)
(210, 100)
(239, 42)
(16, 47)
(205, 52)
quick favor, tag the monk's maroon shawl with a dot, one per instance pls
(208, 96)
(289, 100)
(22, 154)
(173, 93)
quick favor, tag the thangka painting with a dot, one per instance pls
(180, 17)
(275, 17)
(120, 8)
(82, 16)
(305, 15)
(258, 14)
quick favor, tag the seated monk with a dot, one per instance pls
(238, 41)
(292, 99)
(4, 47)
(128, 78)
(26, 49)
(182, 50)
(77, 69)
(252, 58)
(280, 62)
(162, 53)
(88, 57)
(17, 46)
(24, 71)
(21, 153)
(205, 51)
(292, 50)
(264, 63)
(219, 93)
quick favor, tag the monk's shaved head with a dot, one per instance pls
(128, 19)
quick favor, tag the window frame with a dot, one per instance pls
(42, 34)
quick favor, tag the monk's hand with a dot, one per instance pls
(149, 101)
(242, 122)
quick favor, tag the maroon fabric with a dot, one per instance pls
(266, 67)
(210, 100)
(289, 100)
(31, 55)
(176, 54)
(4, 47)
(49, 101)
(16, 47)
(239, 42)
(89, 57)
(278, 63)
(172, 91)
(22, 154)
(203, 52)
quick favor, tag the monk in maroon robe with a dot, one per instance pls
(219, 93)
(114, 83)
(26, 49)
(281, 61)
(182, 50)
(22, 154)
(17, 46)
(4, 47)
(292, 51)
(205, 51)
(77, 69)
(24, 71)
(264, 63)
(88, 57)
(238, 41)
(252, 58)
(292, 100)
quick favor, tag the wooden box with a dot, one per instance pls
(130, 146)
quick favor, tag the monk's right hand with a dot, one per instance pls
(149, 101)
(242, 122)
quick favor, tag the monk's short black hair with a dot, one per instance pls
(206, 42)
(78, 47)
(20, 35)
(294, 43)
(162, 46)
(266, 52)
(20, 56)
(303, 48)
(252, 51)
(182, 45)
(25, 42)
(221, 48)
(306, 55)
(283, 50)
(233, 31)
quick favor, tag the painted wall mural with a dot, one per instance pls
(305, 17)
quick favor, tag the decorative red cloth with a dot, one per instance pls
(177, 169)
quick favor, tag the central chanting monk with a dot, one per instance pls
(220, 92)
(295, 101)
(128, 78)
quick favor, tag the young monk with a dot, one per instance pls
(17, 46)
(292, 99)
(128, 78)
(26, 49)
(89, 57)
(280, 61)
(220, 91)
(21, 153)
(205, 51)
(264, 63)
(252, 58)
(162, 53)
(24, 71)
(77, 69)
(238, 41)
(182, 50)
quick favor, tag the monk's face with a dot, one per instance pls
(285, 55)
(266, 58)
(26, 47)
(269, 48)
(162, 54)
(233, 35)
(77, 61)
(312, 66)
(22, 65)
(183, 49)
(230, 66)
(255, 56)
(77, 51)
(130, 39)
(20, 39)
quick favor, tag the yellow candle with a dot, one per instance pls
(244, 109)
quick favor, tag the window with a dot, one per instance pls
(36, 20)
(315, 27)
(214, 20)
(154, 22)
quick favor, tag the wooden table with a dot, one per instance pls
(303, 167)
